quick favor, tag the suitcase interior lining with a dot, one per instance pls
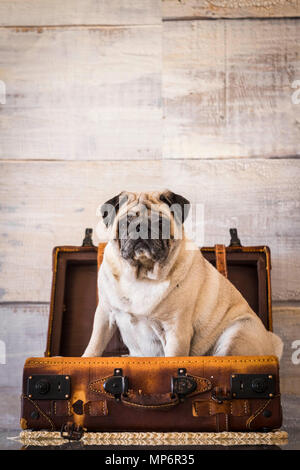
(79, 303)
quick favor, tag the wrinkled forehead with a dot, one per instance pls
(144, 203)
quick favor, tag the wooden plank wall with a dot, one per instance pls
(109, 95)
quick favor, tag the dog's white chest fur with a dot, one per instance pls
(143, 336)
(131, 308)
(136, 298)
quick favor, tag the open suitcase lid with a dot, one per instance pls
(74, 292)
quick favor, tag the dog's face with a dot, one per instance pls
(145, 225)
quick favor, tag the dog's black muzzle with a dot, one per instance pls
(144, 236)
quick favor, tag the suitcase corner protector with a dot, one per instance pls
(23, 423)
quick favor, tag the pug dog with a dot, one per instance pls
(162, 294)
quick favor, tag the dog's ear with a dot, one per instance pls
(179, 205)
(111, 207)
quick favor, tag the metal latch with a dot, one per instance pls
(253, 386)
(71, 431)
(116, 385)
(88, 241)
(182, 384)
(49, 387)
(234, 239)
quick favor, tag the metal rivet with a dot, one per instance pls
(30, 377)
(67, 377)
(233, 376)
(35, 414)
(234, 394)
(270, 376)
(66, 396)
(270, 394)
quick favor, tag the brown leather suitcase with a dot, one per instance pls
(119, 393)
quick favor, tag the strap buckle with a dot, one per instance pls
(218, 396)
(71, 431)
(183, 384)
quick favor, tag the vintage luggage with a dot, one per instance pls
(119, 393)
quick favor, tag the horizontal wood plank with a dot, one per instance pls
(78, 12)
(44, 204)
(178, 9)
(81, 93)
(124, 12)
(229, 88)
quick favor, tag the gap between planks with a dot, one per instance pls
(161, 159)
(24, 28)
(233, 18)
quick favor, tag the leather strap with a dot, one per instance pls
(161, 401)
(61, 408)
(202, 408)
(96, 408)
(139, 399)
(221, 263)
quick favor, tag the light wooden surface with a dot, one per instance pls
(50, 203)
(79, 12)
(184, 89)
(180, 9)
(81, 93)
(227, 88)
(27, 337)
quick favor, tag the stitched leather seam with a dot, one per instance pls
(165, 405)
(100, 381)
(132, 395)
(89, 404)
(196, 405)
(68, 411)
(41, 411)
(227, 422)
(195, 363)
(200, 381)
(256, 413)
